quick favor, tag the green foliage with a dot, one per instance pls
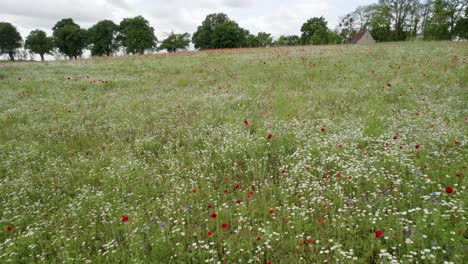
(262, 39)
(334, 38)
(69, 38)
(437, 26)
(137, 35)
(10, 39)
(175, 42)
(103, 38)
(291, 40)
(218, 31)
(38, 42)
(314, 31)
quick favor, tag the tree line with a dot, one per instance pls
(387, 20)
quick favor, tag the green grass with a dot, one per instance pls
(158, 138)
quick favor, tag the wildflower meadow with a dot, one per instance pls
(309, 154)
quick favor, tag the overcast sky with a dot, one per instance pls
(273, 16)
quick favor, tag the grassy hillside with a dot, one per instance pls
(289, 155)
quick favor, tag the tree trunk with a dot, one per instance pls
(12, 57)
(42, 56)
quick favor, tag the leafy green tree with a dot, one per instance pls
(314, 31)
(334, 38)
(10, 39)
(461, 28)
(38, 42)
(291, 40)
(70, 38)
(103, 38)
(438, 26)
(218, 31)
(137, 35)
(263, 39)
(202, 37)
(175, 42)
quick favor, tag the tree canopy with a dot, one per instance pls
(70, 38)
(314, 31)
(38, 42)
(137, 35)
(10, 39)
(175, 42)
(103, 38)
(218, 31)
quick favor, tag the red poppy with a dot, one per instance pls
(246, 122)
(340, 145)
(400, 147)
(350, 177)
(283, 171)
(210, 206)
(387, 144)
(271, 211)
(259, 238)
(103, 148)
(389, 84)
(459, 174)
(308, 167)
(456, 142)
(269, 262)
(194, 190)
(301, 244)
(9, 228)
(224, 225)
(237, 186)
(209, 234)
(238, 201)
(299, 196)
(338, 175)
(269, 136)
(378, 233)
(46, 215)
(214, 215)
(19, 78)
(417, 146)
(322, 129)
(124, 218)
(448, 189)
(226, 179)
(395, 137)
(309, 240)
(225, 191)
(249, 194)
(320, 220)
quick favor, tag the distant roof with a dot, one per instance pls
(357, 37)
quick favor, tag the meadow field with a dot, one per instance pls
(338, 154)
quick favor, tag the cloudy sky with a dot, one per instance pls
(273, 16)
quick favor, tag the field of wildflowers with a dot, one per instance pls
(338, 154)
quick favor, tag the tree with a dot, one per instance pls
(218, 31)
(202, 37)
(263, 39)
(103, 38)
(38, 42)
(175, 42)
(291, 40)
(461, 28)
(437, 25)
(137, 35)
(69, 38)
(10, 39)
(334, 38)
(317, 26)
